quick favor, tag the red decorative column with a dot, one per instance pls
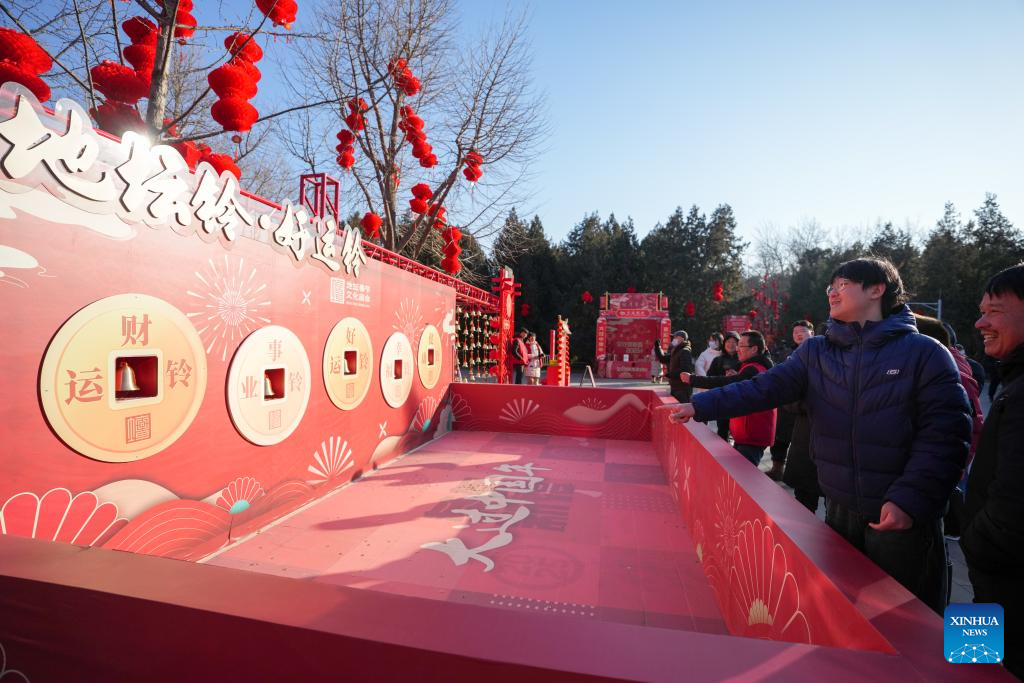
(507, 290)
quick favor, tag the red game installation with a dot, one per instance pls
(233, 447)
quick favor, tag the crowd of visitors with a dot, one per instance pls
(880, 414)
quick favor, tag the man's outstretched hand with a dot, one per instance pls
(892, 518)
(683, 413)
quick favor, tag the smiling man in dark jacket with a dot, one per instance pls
(890, 423)
(993, 528)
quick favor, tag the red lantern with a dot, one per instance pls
(242, 46)
(371, 224)
(140, 31)
(472, 173)
(117, 117)
(141, 56)
(524, 310)
(355, 121)
(221, 163)
(22, 51)
(587, 297)
(186, 24)
(118, 82)
(251, 69)
(347, 159)
(690, 309)
(189, 152)
(232, 80)
(281, 12)
(418, 205)
(422, 191)
(630, 290)
(9, 71)
(752, 313)
(234, 113)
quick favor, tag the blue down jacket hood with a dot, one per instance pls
(889, 418)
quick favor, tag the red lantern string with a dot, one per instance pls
(235, 83)
(451, 249)
(281, 12)
(346, 149)
(472, 171)
(412, 125)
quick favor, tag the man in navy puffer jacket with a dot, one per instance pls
(890, 423)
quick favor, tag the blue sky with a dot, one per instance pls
(846, 112)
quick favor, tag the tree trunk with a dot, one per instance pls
(159, 86)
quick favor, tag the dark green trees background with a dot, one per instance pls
(684, 256)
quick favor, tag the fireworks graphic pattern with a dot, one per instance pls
(409, 319)
(229, 304)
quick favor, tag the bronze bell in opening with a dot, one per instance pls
(127, 382)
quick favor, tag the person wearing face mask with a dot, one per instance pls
(725, 364)
(713, 351)
(890, 424)
(756, 431)
(679, 360)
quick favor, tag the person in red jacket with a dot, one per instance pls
(518, 356)
(755, 432)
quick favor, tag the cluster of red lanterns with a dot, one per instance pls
(124, 86)
(355, 120)
(587, 297)
(473, 163)
(235, 84)
(412, 126)
(421, 192)
(346, 149)
(718, 291)
(450, 262)
(280, 12)
(405, 80)
(22, 61)
(371, 224)
(440, 216)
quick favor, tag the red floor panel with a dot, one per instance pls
(593, 532)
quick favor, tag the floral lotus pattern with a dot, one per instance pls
(58, 515)
(332, 460)
(764, 592)
(424, 417)
(239, 495)
(518, 410)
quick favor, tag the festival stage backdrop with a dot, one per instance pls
(183, 362)
(626, 329)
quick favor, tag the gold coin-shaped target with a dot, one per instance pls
(268, 385)
(348, 363)
(396, 370)
(430, 356)
(123, 378)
